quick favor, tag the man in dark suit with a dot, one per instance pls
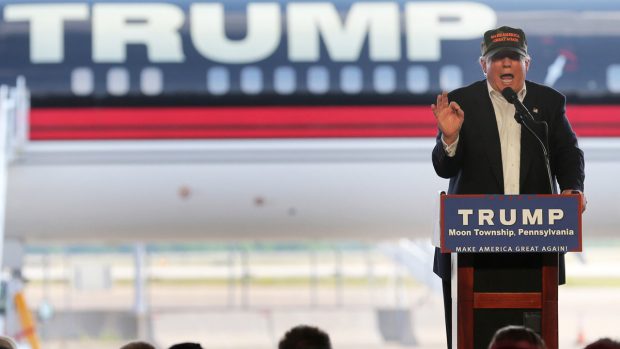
(483, 150)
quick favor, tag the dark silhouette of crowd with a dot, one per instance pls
(312, 337)
(516, 337)
(604, 343)
(7, 343)
(305, 337)
(138, 345)
(186, 345)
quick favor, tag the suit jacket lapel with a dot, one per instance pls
(488, 126)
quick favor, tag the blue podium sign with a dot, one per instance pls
(510, 223)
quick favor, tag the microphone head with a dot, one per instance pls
(510, 95)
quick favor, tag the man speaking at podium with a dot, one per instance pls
(482, 148)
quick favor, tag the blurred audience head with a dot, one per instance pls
(305, 337)
(604, 343)
(516, 337)
(138, 345)
(7, 343)
(186, 345)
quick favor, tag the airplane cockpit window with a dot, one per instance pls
(151, 81)
(450, 77)
(613, 78)
(118, 81)
(384, 79)
(218, 80)
(351, 79)
(251, 80)
(318, 79)
(418, 79)
(82, 81)
(284, 80)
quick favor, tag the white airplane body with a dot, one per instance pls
(250, 190)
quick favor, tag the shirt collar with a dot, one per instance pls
(498, 95)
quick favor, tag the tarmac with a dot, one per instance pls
(586, 314)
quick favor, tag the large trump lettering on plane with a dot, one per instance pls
(160, 28)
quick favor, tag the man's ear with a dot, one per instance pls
(527, 64)
(483, 65)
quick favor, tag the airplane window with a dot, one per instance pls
(450, 77)
(118, 81)
(151, 81)
(251, 80)
(318, 79)
(613, 78)
(218, 81)
(351, 79)
(284, 80)
(417, 79)
(82, 81)
(384, 79)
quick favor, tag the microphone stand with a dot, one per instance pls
(521, 119)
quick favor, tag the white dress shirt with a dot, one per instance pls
(509, 138)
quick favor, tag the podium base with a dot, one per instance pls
(491, 291)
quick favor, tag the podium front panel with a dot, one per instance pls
(495, 290)
(507, 272)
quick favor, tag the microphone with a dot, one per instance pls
(521, 112)
(511, 96)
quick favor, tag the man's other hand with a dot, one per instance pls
(584, 200)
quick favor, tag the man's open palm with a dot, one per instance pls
(449, 117)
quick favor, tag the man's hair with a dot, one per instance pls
(305, 337)
(186, 345)
(515, 334)
(7, 343)
(488, 59)
(138, 345)
(604, 343)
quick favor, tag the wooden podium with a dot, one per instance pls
(495, 290)
(505, 269)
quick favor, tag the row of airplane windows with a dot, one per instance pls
(251, 80)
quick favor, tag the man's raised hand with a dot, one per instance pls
(449, 116)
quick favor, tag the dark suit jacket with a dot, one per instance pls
(476, 167)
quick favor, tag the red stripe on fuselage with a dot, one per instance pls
(270, 122)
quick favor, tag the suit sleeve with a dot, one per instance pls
(446, 166)
(567, 162)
